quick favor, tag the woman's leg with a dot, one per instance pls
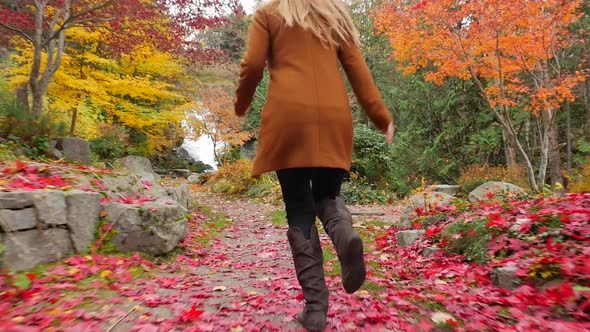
(337, 221)
(298, 198)
(305, 246)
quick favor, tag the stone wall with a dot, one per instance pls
(40, 227)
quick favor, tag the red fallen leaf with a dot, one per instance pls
(146, 184)
(425, 326)
(168, 282)
(31, 276)
(190, 316)
(562, 293)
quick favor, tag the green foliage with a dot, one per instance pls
(470, 239)
(252, 121)
(360, 192)
(112, 144)
(29, 133)
(371, 156)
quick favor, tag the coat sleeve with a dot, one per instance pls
(363, 85)
(253, 63)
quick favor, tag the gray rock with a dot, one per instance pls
(179, 194)
(154, 228)
(181, 173)
(425, 200)
(430, 251)
(83, 216)
(185, 155)
(498, 188)
(432, 220)
(505, 277)
(140, 166)
(16, 200)
(194, 179)
(16, 220)
(25, 250)
(55, 153)
(406, 238)
(445, 188)
(51, 206)
(74, 149)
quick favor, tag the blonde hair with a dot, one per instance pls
(328, 20)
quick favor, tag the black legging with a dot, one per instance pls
(303, 187)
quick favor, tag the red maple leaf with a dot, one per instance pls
(190, 315)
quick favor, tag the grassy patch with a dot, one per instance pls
(212, 227)
(278, 217)
(329, 256)
(372, 287)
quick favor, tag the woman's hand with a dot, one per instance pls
(389, 133)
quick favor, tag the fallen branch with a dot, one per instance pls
(136, 308)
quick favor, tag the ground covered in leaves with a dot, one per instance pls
(234, 273)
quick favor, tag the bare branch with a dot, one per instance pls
(19, 31)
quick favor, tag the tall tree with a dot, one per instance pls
(507, 48)
(216, 119)
(44, 24)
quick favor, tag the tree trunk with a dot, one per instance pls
(568, 135)
(73, 123)
(37, 108)
(586, 94)
(554, 155)
(509, 148)
(22, 96)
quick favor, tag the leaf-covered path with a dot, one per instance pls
(235, 274)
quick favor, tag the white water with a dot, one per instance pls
(201, 149)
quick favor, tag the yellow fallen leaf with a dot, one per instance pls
(237, 329)
(73, 270)
(105, 273)
(18, 319)
(219, 288)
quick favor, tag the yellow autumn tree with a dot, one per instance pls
(136, 90)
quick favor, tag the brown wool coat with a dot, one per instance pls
(306, 121)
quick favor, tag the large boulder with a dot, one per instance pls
(139, 166)
(179, 194)
(426, 200)
(445, 188)
(490, 190)
(73, 149)
(83, 214)
(24, 250)
(154, 228)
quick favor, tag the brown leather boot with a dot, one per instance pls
(308, 261)
(337, 222)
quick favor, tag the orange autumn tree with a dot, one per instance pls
(509, 49)
(215, 118)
